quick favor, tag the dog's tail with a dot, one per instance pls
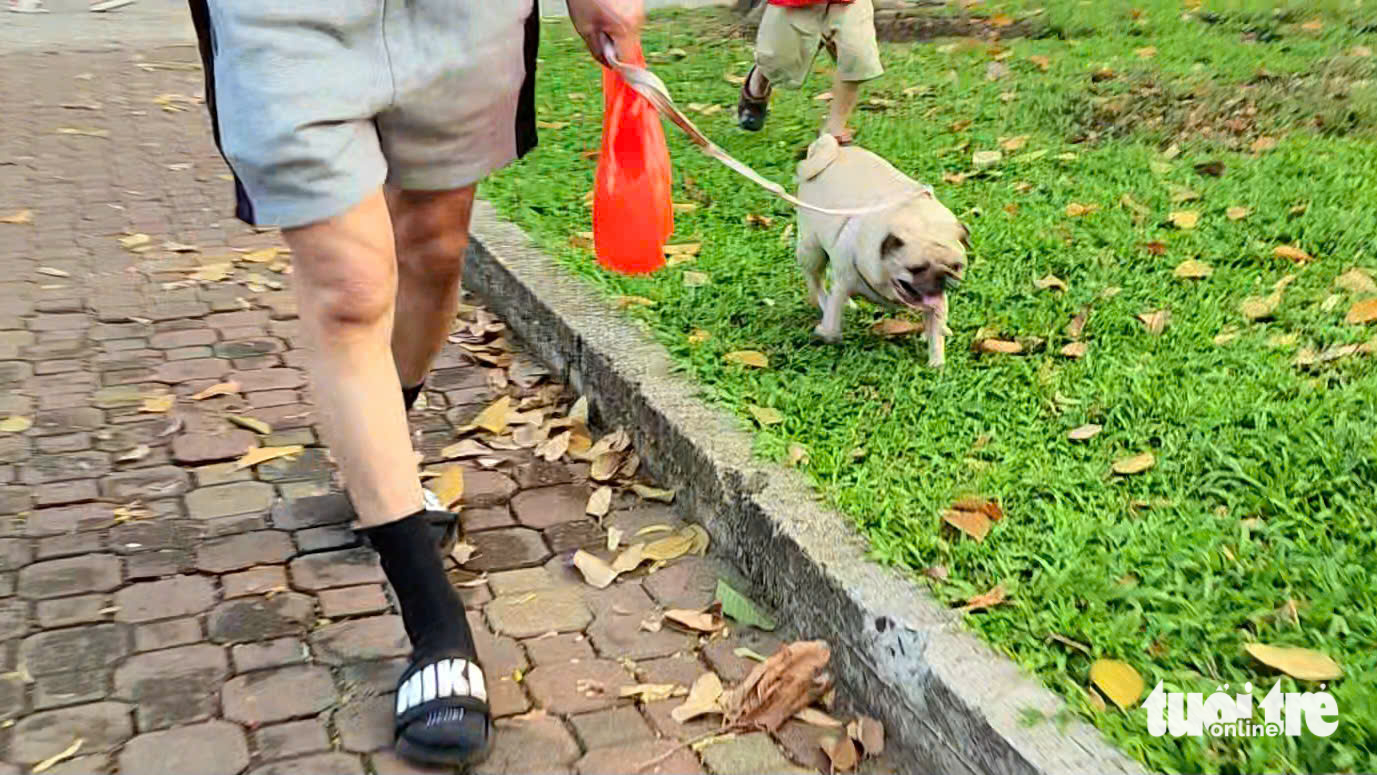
(821, 154)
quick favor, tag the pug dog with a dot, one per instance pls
(906, 255)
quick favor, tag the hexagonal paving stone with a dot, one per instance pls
(749, 755)
(207, 447)
(248, 619)
(547, 506)
(688, 582)
(174, 686)
(528, 746)
(344, 568)
(102, 726)
(507, 548)
(212, 748)
(177, 596)
(263, 547)
(70, 576)
(581, 687)
(74, 649)
(266, 696)
(227, 500)
(317, 764)
(536, 613)
(627, 760)
(357, 640)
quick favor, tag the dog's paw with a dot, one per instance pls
(830, 337)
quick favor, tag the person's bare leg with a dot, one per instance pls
(346, 278)
(432, 233)
(845, 95)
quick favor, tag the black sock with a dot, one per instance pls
(431, 607)
(410, 394)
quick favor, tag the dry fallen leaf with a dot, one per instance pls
(250, 423)
(1041, 62)
(765, 415)
(1135, 465)
(132, 456)
(605, 466)
(1156, 322)
(630, 559)
(841, 753)
(1305, 664)
(972, 523)
(56, 758)
(599, 503)
(158, 404)
(263, 454)
(1001, 346)
(816, 718)
(1356, 280)
(15, 424)
(21, 217)
(495, 418)
(1293, 253)
(1264, 144)
(1051, 281)
(1184, 219)
(983, 159)
(698, 621)
(462, 552)
(1238, 213)
(595, 571)
(221, 389)
(1085, 432)
(1146, 53)
(670, 548)
(1075, 350)
(1260, 307)
(751, 358)
(685, 249)
(464, 449)
(134, 241)
(703, 697)
(449, 487)
(653, 493)
(790, 680)
(869, 732)
(1118, 680)
(1013, 143)
(1361, 312)
(797, 454)
(696, 279)
(994, 597)
(896, 327)
(651, 692)
(1076, 209)
(1190, 269)
(52, 272)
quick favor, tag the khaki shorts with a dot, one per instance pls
(789, 39)
(316, 103)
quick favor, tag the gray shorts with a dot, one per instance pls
(316, 103)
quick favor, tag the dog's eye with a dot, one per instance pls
(891, 244)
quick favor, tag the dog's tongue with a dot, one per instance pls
(936, 302)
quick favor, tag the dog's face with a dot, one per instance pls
(923, 253)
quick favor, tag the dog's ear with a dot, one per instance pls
(891, 243)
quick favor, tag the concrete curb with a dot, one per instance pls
(950, 702)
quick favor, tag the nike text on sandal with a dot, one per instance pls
(442, 712)
(750, 109)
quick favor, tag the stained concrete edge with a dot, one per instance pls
(951, 703)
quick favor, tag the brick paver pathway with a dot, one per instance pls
(177, 615)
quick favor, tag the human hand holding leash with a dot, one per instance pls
(598, 21)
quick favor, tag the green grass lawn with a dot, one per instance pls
(1263, 496)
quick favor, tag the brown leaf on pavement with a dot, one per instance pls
(790, 680)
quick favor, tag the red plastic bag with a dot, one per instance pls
(633, 214)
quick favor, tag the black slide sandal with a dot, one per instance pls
(438, 699)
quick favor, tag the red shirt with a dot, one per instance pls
(801, 3)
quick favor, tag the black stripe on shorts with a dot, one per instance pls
(205, 38)
(525, 107)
